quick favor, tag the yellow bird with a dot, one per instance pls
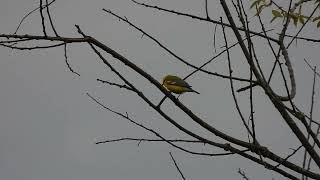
(176, 85)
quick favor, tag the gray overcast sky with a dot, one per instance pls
(48, 126)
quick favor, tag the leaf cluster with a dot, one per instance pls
(295, 14)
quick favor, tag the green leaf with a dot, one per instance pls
(276, 13)
(259, 9)
(316, 19)
(301, 20)
(273, 19)
(295, 20)
(254, 4)
(300, 7)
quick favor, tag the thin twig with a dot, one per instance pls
(206, 7)
(243, 174)
(67, 62)
(29, 13)
(149, 140)
(290, 155)
(176, 165)
(116, 84)
(34, 47)
(231, 83)
(42, 19)
(310, 114)
(199, 18)
(303, 25)
(50, 19)
(309, 65)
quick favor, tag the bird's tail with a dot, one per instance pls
(195, 91)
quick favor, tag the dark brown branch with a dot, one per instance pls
(42, 19)
(313, 145)
(303, 38)
(296, 130)
(285, 55)
(15, 41)
(216, 56)
(243, 174)
(206, 7)
(34, 47)
(290, 155)
(47, 38)
(28, 14)
(302, 117)
(231, 82)
(252, 51)
(200, 18)
(116, 84)
(309, 65)
(67, 62)
(311, 114)
(176, 165)
(50, 19)
(290, 95)
(149, 140)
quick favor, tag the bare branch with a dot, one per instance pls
(115, 84)
(50, 19)
(243, 174)
(34, 47)
(206, 7)
(199, 18)
(311, 114)
(149, 140)
(66, 60)
(231, 83)
(176, 165)
(303, 38)
(42, 19)
(28, 14)
(290, 155)
(309, 65)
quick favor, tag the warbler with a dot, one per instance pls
(177, 85)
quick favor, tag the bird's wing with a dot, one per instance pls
(178, 82)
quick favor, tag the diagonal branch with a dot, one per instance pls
(176, 165)
(201, 19)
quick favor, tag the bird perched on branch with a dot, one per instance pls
(177, 85)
